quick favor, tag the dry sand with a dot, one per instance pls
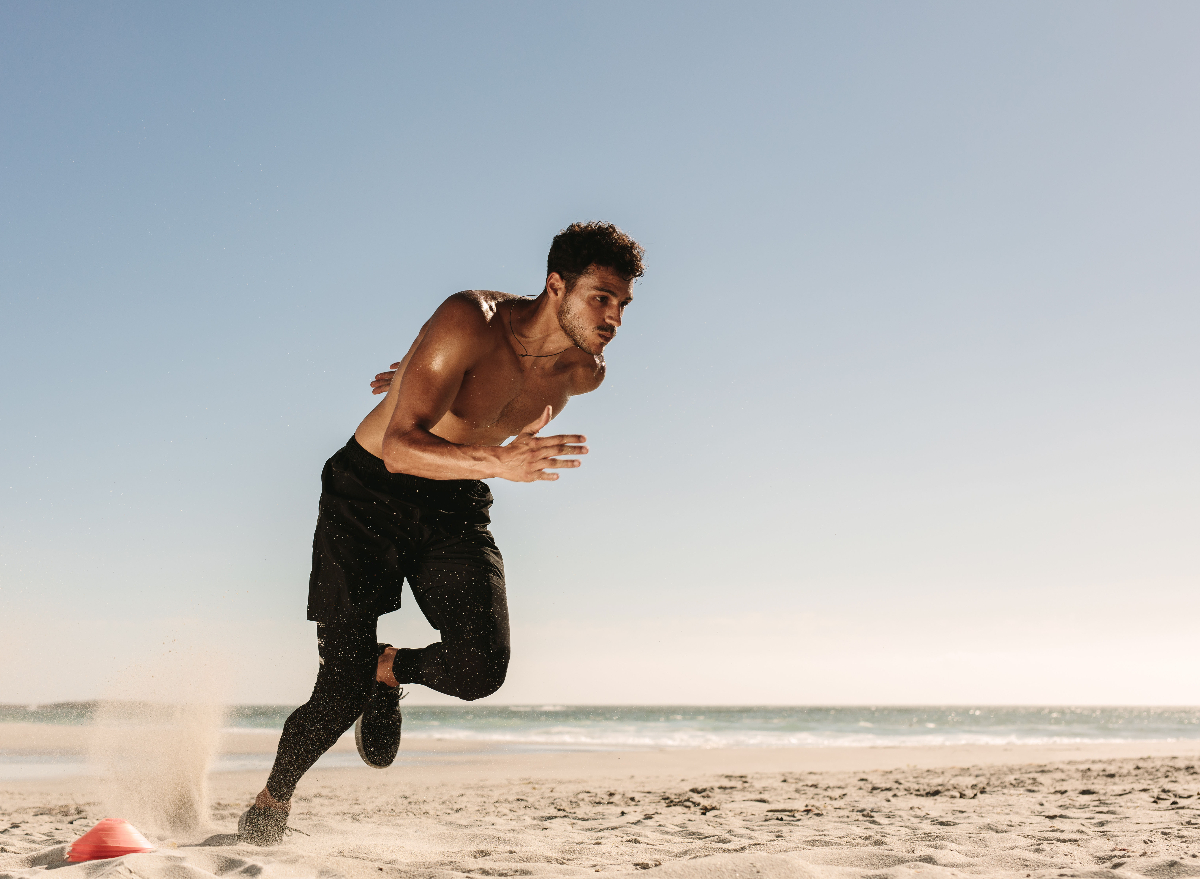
(881, 813)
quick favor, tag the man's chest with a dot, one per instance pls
(506, 397)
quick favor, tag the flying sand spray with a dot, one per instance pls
(153, 744)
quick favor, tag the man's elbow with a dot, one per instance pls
(396, 453)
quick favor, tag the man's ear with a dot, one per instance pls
(556, 286)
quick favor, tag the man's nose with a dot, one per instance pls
(614, 316)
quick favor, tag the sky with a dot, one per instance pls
(905, 409)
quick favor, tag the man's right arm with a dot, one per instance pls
(455, 338)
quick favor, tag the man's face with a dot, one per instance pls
(591, 311)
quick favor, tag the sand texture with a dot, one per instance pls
(906, 812)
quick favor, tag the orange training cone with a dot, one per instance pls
(111, 838)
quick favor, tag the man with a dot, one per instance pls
(404, 500)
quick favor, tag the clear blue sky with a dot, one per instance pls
(906, 409)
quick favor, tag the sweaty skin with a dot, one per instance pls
(488, 366)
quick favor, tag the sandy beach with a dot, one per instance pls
(458, 810)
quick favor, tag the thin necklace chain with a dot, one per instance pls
(522, 344)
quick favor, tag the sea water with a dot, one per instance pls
(619, 727)
(557, 727)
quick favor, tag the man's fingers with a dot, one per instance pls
(561, 449)
(542, 453)
(561, 439)
(395, 366)
(383, 381)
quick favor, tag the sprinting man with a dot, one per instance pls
(404, 500)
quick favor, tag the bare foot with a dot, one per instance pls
(267, 801)
(383, 672)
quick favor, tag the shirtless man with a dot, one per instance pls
(404, 500)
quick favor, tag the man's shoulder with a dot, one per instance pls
(470, 311)
(483, 303)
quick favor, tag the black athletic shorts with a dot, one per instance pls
(375, 527)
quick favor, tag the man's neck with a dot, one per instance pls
(535, 327)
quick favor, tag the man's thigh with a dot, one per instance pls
(459, 585)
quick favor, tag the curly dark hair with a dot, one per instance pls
(581, 245)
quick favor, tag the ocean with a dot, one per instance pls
(558, 727)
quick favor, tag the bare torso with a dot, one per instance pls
(502, 391)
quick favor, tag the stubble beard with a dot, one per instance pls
(573, 326)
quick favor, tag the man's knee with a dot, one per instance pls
(486, 671)
(342, 691)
